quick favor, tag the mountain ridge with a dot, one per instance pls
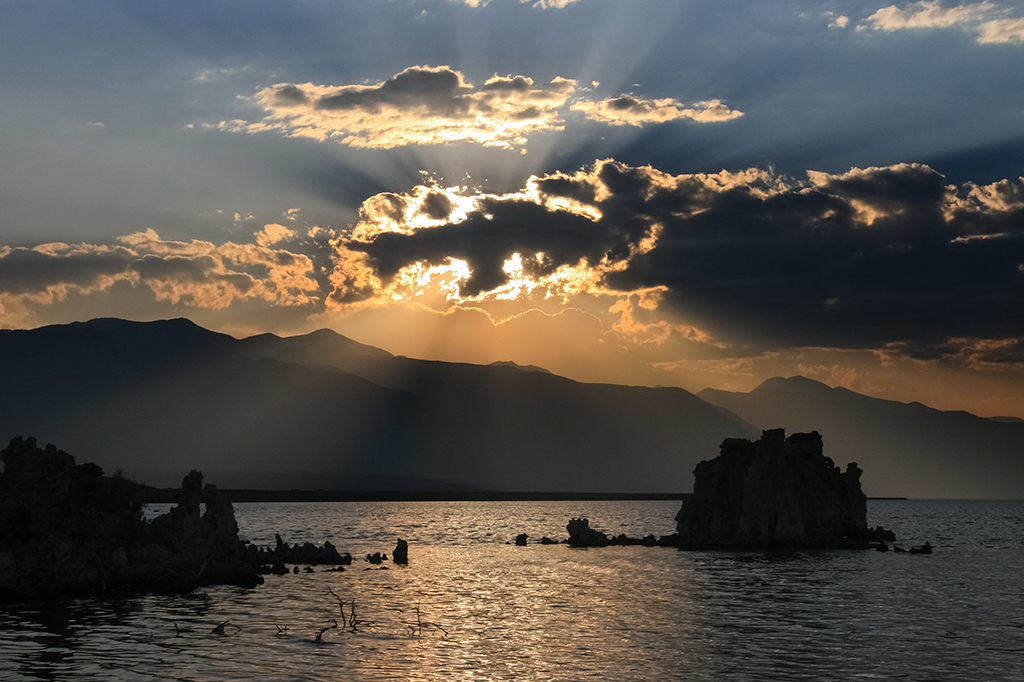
(322, 405)
(905, 449)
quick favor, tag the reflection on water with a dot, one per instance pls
(555, 613)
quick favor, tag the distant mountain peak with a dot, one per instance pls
(793, 384)
(522, 368)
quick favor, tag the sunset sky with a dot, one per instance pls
(652, 192)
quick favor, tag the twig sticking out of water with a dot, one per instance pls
(350, 622)
(281, 630)
(219, 630)
(420, 624)
(179, 630)
(320, 634)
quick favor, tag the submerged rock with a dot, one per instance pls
(776, 492)
(67, 530)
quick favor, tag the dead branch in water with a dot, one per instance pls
(420, 624)
(219, 629)
(320, 634)
(350, 622)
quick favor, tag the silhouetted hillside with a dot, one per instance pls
(318, 410)
(904, 448)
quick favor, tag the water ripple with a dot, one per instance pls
(555, 613)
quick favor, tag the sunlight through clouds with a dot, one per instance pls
(421, 105)
(425, 105)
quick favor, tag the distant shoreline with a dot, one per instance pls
(165, 495)
(236, 495)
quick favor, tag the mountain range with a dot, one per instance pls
(156, 399)
(905, 449)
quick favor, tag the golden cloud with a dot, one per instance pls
(635, 111)
(273, 233)
(426, 105)
(990, 22)
(421, 105)
(196, 273)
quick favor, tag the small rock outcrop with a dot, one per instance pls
(776, 492)
(307, 553)
(582, 535)
(400, 555)
(67, 530)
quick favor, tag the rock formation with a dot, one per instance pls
(68, 530)
(582, 535)
(400, 555)
(307, 553)
(776, 492)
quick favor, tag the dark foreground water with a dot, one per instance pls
(555, 613)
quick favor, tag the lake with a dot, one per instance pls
(469, 606)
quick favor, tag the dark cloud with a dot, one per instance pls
(856, 260)
(189, 269)
(436, 206)
(805, 267)
(959, 351)
(488, 237)
(25, 271)
(440, 90)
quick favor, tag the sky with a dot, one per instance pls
(644, 192)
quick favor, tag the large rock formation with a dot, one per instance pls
(68, 530)
(776, 492)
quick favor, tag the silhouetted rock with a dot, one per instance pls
(521, 539)
(548, 541)
(879, 534)
(375, 558)
(776, 492)
(582, 535)
(926, 548)
(307, 553)
(67, 530)
(401, 553)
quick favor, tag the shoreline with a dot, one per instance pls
(237, 495)
(240, 495)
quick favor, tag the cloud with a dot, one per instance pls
(273, 233)
(421, 105)
(1002, 31)
(549, 4)
(543, 4)
(853, 260)
(975, 353)
(987, 20)
(893, 259)
(425, 105)
(635, 111)
(194, 273)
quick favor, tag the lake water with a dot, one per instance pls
(555, 613)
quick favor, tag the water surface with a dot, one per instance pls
(556, 613)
